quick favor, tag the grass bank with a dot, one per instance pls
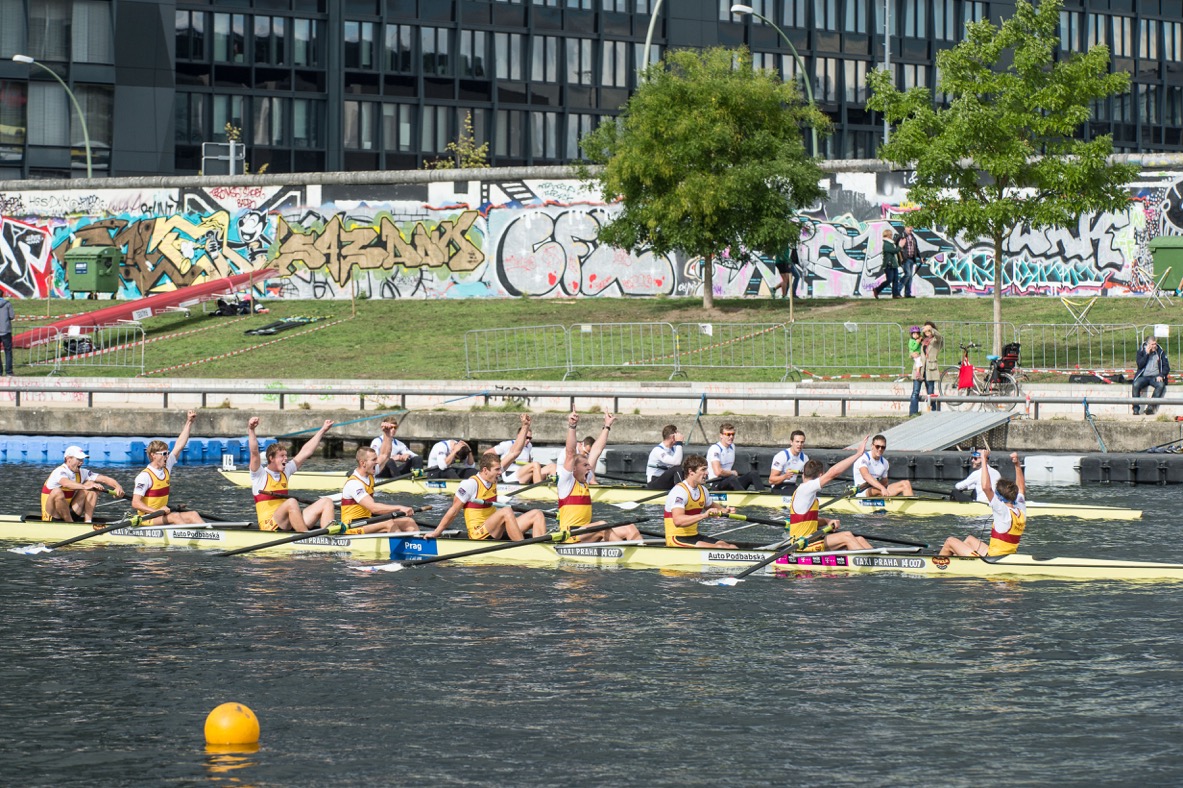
(425, 339)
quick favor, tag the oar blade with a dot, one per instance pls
(724, 581)
(30, 549)
(393, 566)
(626, 506)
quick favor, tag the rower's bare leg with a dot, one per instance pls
(969, 547)
(397, 525)
(595, 536)
(319, 514)
(624, 533)
(530, 473)
(546, 471)
(85, 505)
(56, 507)
(903, 487)
(502, 524)
(535, 520)
(288, 517)
(845, 540)
(180, 518)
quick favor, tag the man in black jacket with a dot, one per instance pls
(1153, 368)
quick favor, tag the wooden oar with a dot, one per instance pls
(555, 536)
(336, 527)
(131, 518)
(798, 543)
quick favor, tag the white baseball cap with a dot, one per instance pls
(76, 452)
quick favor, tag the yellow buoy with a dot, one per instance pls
(231, 723)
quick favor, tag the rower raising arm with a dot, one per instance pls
(804, 519)
(269, 484)
(150, 492)
(575, 505)
(1008, 504)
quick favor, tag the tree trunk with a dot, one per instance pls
(708, 282)
(997, 293)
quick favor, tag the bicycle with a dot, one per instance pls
(966, 380)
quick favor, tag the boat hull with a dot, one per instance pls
(913, 507)
(608, 556)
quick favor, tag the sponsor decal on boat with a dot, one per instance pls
(435, 485)
(941, 561)
(736, 556)
(412, 548)
(872, 503)
(215, 536)
(814, 560)
(721, 497)
(887, 561)
(326, 541)
(593, 552)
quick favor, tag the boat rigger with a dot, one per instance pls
(611, 555)
(916, 507)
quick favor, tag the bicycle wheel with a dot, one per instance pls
(947, 386)
(1005, 386)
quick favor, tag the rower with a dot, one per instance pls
(575, 505)
(721, 458)
(803, 517)
(664, 468)
(477, 494)
(788, 464)
(688, 504)
(523, 470)
(73, 490)
(402, 462)
(357, 496)
(970, 488)
(446, 452)
(870, 473)
(269, 484)
(1009, 507)
(151, 488)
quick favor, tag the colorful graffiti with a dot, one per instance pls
(505, 238)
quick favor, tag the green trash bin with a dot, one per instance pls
(93, 269)
(1167, 252)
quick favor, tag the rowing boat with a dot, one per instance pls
(915, 507)
(612, 555)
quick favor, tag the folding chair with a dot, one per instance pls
(1158, 295)
(1079, 309)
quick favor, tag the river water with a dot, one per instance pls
(110, 659)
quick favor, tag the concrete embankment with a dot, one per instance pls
(422, 427)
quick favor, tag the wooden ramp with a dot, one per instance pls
(942, 429)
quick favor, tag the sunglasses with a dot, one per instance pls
(878, 445)
(727, 434)
(975, 456)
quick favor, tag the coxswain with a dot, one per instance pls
(970, 488)
(664, 467)
(1008, 504)
(477, 495)
(870, 473)
(788, 464)
(357, 496)
(721, 461)
(575, 505)
(803, 517)
(688, 504)
(151, 488)
(446, 452)
(269, 484)
(72, 490)
(402, 460)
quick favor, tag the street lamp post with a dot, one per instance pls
(746, 10)
(73, 98)
(649, 35)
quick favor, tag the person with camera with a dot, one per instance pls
(1153, 368)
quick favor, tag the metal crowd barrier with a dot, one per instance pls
(615, 345)
(1055, 346)
(734, 346)
(490, 351)
(848, 348)
(120, 346)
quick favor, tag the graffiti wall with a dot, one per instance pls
(533, 238)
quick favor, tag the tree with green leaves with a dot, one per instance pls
(1003, 154)
(707, 156)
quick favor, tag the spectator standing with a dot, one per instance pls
(933, 343)
(890, 269)
(7, 315)
(909, 250)
(1153, 368)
